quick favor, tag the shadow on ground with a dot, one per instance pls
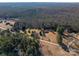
(64, 47)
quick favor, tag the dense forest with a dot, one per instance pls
(49, 18)
(47, 15)
(42, 15)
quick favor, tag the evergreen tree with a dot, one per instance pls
(60, 31)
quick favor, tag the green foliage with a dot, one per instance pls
(59, 38)
(60, 31)
(42, 33)
(35, 17)
(18, 44)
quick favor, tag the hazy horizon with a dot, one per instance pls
(38, 4)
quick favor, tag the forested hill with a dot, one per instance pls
(46, 14)
(23, 10)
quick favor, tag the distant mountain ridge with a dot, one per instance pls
(39, 4)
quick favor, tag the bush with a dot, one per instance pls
(42, 33)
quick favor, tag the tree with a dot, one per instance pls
(42, 33)
(18, 44)
(60, 31)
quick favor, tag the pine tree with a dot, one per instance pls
(60, 31)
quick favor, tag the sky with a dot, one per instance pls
(39, 0)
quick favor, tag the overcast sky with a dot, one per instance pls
(39, 0)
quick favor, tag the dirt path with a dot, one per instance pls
(44, 41)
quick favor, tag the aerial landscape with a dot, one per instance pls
(39, 29)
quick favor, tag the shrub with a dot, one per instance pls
(42, 33)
